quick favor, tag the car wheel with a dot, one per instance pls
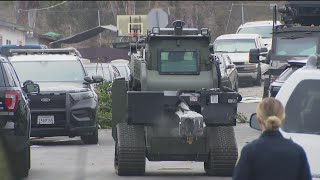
(22, 160)
(258, 80)
(92, 138)
(236, 86)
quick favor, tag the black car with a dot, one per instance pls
(15, 119)
(229, 74)
(293, 65)
(67, 103)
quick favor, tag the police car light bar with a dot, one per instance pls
(48, 51)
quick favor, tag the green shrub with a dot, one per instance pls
(105, 108)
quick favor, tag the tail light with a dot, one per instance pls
(12, 100)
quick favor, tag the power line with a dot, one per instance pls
(43, 8)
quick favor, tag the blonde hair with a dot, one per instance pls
(271, 112)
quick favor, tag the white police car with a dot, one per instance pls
(300, 94)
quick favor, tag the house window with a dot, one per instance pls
(8, 42)
(0, 40)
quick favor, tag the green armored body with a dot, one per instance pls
(173, 108)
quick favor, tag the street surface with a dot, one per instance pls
(68, 158)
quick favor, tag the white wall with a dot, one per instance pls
(13, 35)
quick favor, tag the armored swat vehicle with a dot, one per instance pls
(173, 108)
(296, 39)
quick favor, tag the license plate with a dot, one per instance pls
(214, 99)
(45, 119)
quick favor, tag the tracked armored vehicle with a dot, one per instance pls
(296, 39)
(173, 108)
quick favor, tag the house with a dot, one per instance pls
(44, 39)
(12, 33)
(104, 55)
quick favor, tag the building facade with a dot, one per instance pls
(12, 34)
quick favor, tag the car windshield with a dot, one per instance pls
(178, 62)
(92, 71)
(303, 46)
(263, 31)
(234, 45)
(49, 70)
(302, 109)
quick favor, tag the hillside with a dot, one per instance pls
(75, 16)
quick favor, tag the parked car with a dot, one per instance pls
(293, 65)
(123, 67)
(15, 118)
(4, 49)
(300, 96)
(263, 28)
(103, 69)
(67, 103)
(237, 47)
(229, 74)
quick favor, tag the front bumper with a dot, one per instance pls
(72, 131)
(247, 71)
(74, 118)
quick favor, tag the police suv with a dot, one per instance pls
(300, 95)
(67, 104)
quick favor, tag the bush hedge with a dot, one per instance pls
(105, 109)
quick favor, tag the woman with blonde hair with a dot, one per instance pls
(271, 156)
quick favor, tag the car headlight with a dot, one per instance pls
(82, 95)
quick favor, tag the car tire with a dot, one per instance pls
(236, 86)
(258, 80)
(91, 139)
(22, 160)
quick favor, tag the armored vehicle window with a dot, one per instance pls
(263, 31)
(303, 46)
(302, 108)
(234, 45)
(49, 70)
(179, 62)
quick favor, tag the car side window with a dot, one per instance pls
(11, 80)
(14, 75)
(1, 77)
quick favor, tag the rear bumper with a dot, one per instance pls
(50, 132)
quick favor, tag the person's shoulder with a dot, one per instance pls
(250, 146)
(293, 145)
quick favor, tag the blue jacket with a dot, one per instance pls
(272, 157)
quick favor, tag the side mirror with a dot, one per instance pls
(254, 56)
(230, 66)
(211, 48)
(97, 79)
(254, 124)
(32, 88)
(88, 79)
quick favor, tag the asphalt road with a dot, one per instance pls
(68, 158)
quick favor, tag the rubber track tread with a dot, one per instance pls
(131, 150)
(223, 151)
